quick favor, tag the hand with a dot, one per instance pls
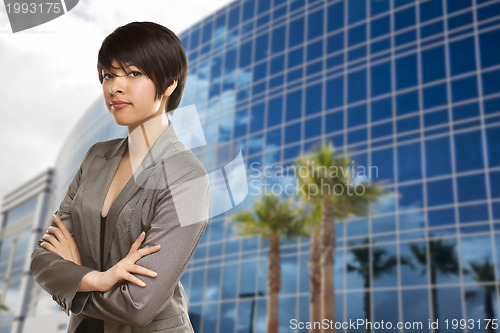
(61, 241)
(122, 270)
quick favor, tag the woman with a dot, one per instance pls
(137, 207)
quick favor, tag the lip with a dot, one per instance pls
(119, 104)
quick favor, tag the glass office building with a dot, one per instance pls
(22, 214)
(409, 87)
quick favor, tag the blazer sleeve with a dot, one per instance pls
(130, 304)
(60, 277)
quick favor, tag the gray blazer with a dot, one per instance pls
(168, 198)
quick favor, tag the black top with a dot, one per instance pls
(93, 325)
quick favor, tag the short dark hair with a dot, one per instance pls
(152, 48)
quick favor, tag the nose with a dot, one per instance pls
(117, 85)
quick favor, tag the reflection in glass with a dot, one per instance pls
(449, 304)
(383, 307)
(416, 299)
(477, 259)
(416, 272)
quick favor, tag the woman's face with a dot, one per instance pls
(130, 96)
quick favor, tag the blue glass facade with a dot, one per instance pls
(411, 87)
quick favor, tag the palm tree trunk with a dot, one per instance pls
(367, 303)
(315, 282)
(488, 308)
(435, 314)
(327, 265)
(273, 284)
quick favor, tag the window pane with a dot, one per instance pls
(261, 47)
(455, 5)
(493, 138)
(405, 18)
(334, 92)
(491, 82)
(406, 69)
(357, 11)
(313, 99)
(407, 103)
(315, 24)
(434, 118)
(257, 118)
(490, 48)
(439, 192)
(356, 116)
(468, 152)
(435, 96)
(381, 79)
(292, 133)
(462, 56)
(466, 111)
(384, 265)
(383, 300)
(245, 54)
(430, 10)
(296, 33)
(381, 109)
(293, 105)
(313, 127)
(437, 157)
(336, 16)
(411, 198)
(409, 162)
(274, 111)
(408, 276)
(357, 35)
(415, 299)
(471, 188)
(464, 89)
(433, 64)
(334, 121)
(357, 85)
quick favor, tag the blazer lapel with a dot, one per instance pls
(135, 183)
(104, 168)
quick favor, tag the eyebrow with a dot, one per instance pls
(128, 67)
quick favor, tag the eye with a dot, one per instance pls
(135, 74)
(106, 76)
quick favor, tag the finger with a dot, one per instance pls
(60, 224)
(133, 256)
(48, 246)
(144, 252)
(137, 242)
(133, 279)
(50, 239)
(142, 270)
(56, 231)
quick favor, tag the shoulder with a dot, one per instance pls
(102, 147)
(182, 161)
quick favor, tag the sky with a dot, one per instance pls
(48, 76)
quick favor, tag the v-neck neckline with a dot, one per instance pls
(109, 187)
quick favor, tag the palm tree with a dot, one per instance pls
(443, 259)
(484, 273)
(312, 222)
(381, 265)
(270, 218)
(3, 307)
(324, 168)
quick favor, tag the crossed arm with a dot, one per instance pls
(86, 291)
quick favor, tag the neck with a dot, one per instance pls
(143, 136)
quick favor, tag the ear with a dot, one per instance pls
(170, 89)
